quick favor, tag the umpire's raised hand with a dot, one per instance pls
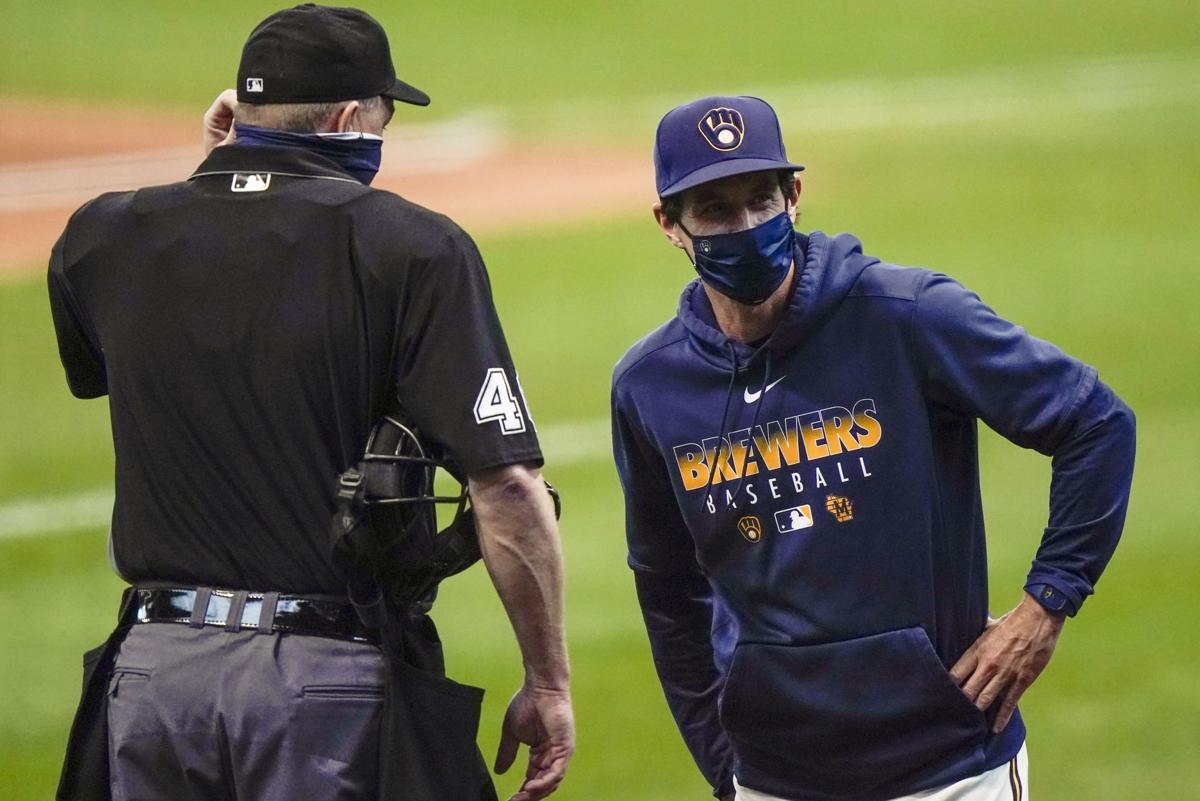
(218, 121)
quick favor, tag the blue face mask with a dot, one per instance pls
(747, 265)
(357, 153)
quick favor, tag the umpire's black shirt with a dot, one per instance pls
(248, 325)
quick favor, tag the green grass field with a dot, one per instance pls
(1043, 153)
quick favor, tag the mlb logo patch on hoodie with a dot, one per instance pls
(794, 519)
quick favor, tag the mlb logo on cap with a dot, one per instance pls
(254, 84)
(715, 137)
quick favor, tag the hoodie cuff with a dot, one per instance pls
(1054, 594)
(724, 788)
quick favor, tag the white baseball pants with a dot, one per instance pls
(1007, 782)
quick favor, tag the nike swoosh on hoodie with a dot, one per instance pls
(751, 397)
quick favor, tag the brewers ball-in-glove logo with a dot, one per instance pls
(751, 528)
(723, 128)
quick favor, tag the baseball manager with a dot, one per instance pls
(798, 453)
(249, 326)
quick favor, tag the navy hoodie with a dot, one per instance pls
(805, 526)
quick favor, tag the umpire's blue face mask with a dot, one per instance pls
(359, 154)
(746, 265)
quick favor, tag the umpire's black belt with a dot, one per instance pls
(264, 612)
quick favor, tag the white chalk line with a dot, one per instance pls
(563, 444)
(1031, 95)
(438, 147)
(1034, 96)
(1038, 95)
(1025, 97)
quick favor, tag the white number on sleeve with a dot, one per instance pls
(525, 402)
(496, 402)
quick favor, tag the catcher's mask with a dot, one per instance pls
(398, 487)
(385, 534)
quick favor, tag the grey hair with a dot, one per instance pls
(298, 117)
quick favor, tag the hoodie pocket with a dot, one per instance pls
(849, 717)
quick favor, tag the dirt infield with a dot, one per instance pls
(55, 157)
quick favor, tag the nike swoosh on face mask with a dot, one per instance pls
(751, 397)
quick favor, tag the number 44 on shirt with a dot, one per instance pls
(496, 401)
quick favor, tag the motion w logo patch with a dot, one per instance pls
(841, 507)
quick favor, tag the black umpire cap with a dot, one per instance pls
(320, 54)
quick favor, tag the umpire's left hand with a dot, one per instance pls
(1012, 652)
(218, 121)
(542, 719)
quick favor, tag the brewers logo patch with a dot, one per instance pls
(841, 507)
(751, 527)
(723, 128)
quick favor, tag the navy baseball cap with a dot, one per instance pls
(320, 54)
(715, 137)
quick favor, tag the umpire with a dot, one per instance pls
(248, 326)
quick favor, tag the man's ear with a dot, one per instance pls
(344, 121)
(670, 230)
(794, 200)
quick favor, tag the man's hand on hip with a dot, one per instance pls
(1007, 658)
(543, 720)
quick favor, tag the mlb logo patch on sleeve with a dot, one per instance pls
(250, 182)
